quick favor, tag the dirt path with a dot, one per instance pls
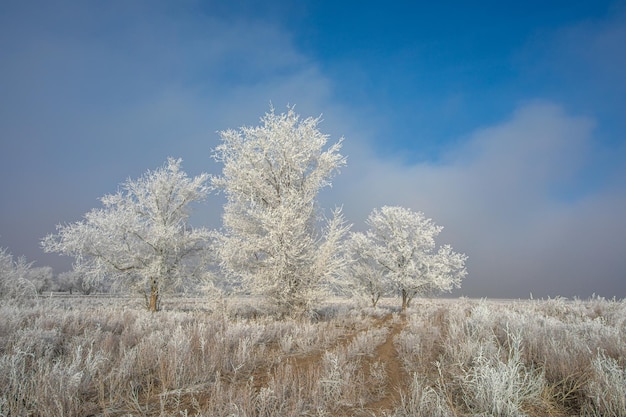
(387, 354)
(305, 361)
(316, 356)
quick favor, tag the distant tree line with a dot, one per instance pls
(20, 279)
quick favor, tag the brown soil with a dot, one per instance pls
(313, 358)
(303, 362)
(387, 354)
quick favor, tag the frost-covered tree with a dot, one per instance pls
(14, 283)
(141, 238)
(402, 242)
(41, 277)
(73, 280)
(364, 275)
(274, 240)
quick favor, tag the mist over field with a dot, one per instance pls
(502, 122)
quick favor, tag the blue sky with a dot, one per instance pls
(506, 123)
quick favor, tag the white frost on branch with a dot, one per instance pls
(364, 275)
(141, 237)
(401, 244)
(15, 282)
(272, 240)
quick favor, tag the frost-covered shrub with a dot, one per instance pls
(366, 342)
(607, 387)
(422, 401)
(469, 337)
(14, 274)
(419, 344)
(333, 377)
(501, 387)
(474, 358)
(266, 402)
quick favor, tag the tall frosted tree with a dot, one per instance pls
(275, 240)
(402, 243)
(141, 238)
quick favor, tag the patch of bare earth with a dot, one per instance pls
(385, 354)
(303, 363)
(304, 370)
(396, 377)
(314, 358)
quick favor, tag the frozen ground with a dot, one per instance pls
(79, 356)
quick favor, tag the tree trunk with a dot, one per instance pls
(375, 299)
(405, 300)
(154, 297)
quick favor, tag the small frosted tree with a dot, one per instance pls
(402, 243)
(141, 238)
(42, 278)
(14, 273)
(274, 240)
(73, 280)
(364, 275)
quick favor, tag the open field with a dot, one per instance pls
(69, 356)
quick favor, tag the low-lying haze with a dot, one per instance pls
(505, 125)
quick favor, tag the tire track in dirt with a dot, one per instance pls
(315, 356)
(304, 361)
(387, 354)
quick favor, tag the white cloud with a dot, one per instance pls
(94, 96)
(500, 197)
